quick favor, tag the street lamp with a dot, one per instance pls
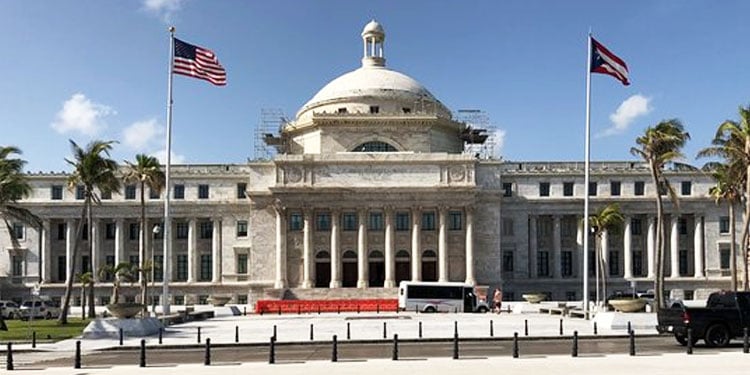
(156, 230)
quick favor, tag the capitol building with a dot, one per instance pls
(371, 185)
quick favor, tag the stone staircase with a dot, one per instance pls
(330, 294)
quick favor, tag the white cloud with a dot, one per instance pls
(499, 137)
(162, 156)
(80, 114)
(163, 8)
(629, 110)
(142, 133)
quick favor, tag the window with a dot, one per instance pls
(110, 231)
(242, 299)
(56, 192)
(686, 188)
(683, 262)
(182, 268)
(85, 232)
(61, 229)
(542, 263)
(241, 228)
(130, 192)
(109, 260)
(242, 264)
(206, 230)
(376, 221)
(80, 192)
(374, 109)
(614, 188)
(544, 189)
(179, 300)
(639, 188)
(566, 263)
(241, 190)
(160, 232)
(592, 263)
(507, 227)
(568, 189)
(428, 220)
(18, 231)
(205, 274)
(724, 258)
(454, 220)
(342, 110)
(133, 259)
(179, 191)
(203, 299)
(570, 296)
(85, 264)
(323, 221)
(637, 263)
(158, 268)
(182, 230)
(507, 189)
(507, 261)
(682, 226)
(592, 189)
(295, 221)
(375, 146)
(614, 263)
(134, 231)
(402, 221)
(636, 226)
(406, 110)
(202, 191)
(62, 268)
(17, 267)
(349, 221)
(724, 224)
(153, 193)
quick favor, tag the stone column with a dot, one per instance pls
(307, 245)
(46, 255)
(390, 260)
(698, 247)
(470, 245)
(192, 249)
(556, 247)
(120, 241)
(216, 251)
(362, 280)
(416, 251)
(674, 247)
(335, 250)
(627, 248)
(281, 225)
(532, 247)
(651, 247)
(96, 239)
(442, 245)
(70, 233)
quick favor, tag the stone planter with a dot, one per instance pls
(219, 300)
(125, 310)
(534, 297)
(628, 305)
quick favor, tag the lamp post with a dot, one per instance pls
(156, 230)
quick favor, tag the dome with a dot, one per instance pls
(373, 28)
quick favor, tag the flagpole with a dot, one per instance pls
(166, 263)
(587, 157)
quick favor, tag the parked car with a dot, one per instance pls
(8, 309)
(724, 318)
(39, 309)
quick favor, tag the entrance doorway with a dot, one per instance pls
(376, 269)
(429, 266)
(322, 269)
(349, 269)
(403, 266)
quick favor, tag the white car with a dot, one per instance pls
(39, 309)
(8, 309)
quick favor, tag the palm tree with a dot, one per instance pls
(92, 169)
(728, 189)
(147, 172)
(121, 272)
(607, 219)
(658, 146)
(85, 279)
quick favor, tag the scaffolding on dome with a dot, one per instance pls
(268, 141)
(480, 136)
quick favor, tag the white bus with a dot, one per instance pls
(426, 296)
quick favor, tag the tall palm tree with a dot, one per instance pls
(660, 145)
(728, 189)
(92, 170)
(607, 219)
(123, 271)
(146, 171)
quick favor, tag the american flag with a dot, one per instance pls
(198, 62)
(605, 62)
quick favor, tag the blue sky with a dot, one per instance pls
(97, 69)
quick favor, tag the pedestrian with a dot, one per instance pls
(497, 300)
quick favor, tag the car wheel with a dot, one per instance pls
(430, 309)
(482, 309)
(682, 340)
(717, 335)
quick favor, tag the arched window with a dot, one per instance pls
(375, 254)
(429, 254)
(349, 255)
(375, 146)
(323, 255)
(402, 254)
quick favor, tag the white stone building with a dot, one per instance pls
(371, 186)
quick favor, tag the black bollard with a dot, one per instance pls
(690, 341)
(525, 327)
(272, 350)
(311, 332)
(338, 309)
(244, 310)
(420, 330)
(348, 331)
(9, 357)
(278, 310)
(561, 327)
(274, 332)
(161, 331)
(632, 343)
(236, 333)
(357, 309)
(395, 347)
(595, 330)
(120, 334)
(515, 344)
(385, 335)
(207, 358)
(630, 328)
(455, 328)
(142, 362)
(335, 350)
(745, 342)
(492, 329)
(416, 309)
(33, 339)
(77, 358)
(455, 346)
(299, 310)
(199, 335)
(574, 353)
(261, 310)
(377, 308)
(318, 309)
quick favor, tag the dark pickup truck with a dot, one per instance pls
(725, 316)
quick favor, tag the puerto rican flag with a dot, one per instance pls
(605, 62)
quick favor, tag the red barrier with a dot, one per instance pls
(311, 306)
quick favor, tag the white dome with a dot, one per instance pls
(373, 27)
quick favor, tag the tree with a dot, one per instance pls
(92, 170)
(146, 171)
(660, 145)
(85, 279)
(607, 219)
(124, 271)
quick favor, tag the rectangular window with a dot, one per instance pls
(133, 259)
(544, 189)
(507, 261)
(724, 224)
(507, 189)
(242, 264)
(109, 260)
(724, 258)
(428, 220)
(205, 274)
(241, 190)
(454, 220)
(17, 268)
(507, 227)
(158, 233)
(295, 221)
(241, 228)
(402, 221)
(683, 263)
(179, 300)
(56, 192)
(568, 189)
(85, 264)
(375, 221)
(323, 221)
(614, 263)
(542, 263)
(636, 226)
(566, 263)
(62, 268)
(242, 299)
(183, 228)
(206, 230)
(129, 192)
(85, 232)
(18, 231)
(134, 231)
(349, 221)
(80, 192)
(154, 194)
(182, 267)
(62, 228)
(158, 268)
(202, 191)
(614, 188)
(406, 110)
(179, 191)
(203, 299)
(682, 226)
(110, 231)
(686, 188)
(592, 263)
(374, 109)
(639, 188)
(637, 263)
(592, 189)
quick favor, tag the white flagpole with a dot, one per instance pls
(166, 263)
(587, 151)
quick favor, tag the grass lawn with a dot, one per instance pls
(46, 330)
